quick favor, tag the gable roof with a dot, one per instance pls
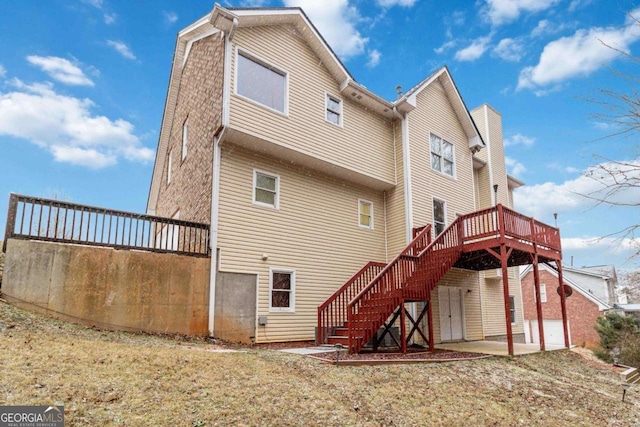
(226, 20)
(602, 305)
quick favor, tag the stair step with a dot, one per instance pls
(341, 332)
(338, 340)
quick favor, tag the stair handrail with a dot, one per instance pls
(328, 318)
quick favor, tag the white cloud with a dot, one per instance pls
(500, 12)
(514, 167)
(110, 18)
(509, 49)
(445, 46)
(3, 71)
(66, 127)
(169, 17)
(546, 28)
(575, 4)
(374, 58)
(571, 169)
(541, 200)
(519, 139)
(121, 48)
(336, 21)
(253, 3)
(391, 3)
(61, 70)
(95, 3)
(475, 50)
(578, 55)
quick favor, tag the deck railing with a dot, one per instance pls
(414, 273)
(56, 221)
(333, 312)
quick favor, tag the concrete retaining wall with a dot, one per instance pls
(114, 289)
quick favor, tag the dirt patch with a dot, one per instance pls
(115, 378)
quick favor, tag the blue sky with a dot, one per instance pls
(83, 82)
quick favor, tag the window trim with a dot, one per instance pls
(185, 137)
(340, 113)
(292, 295)
(369, 227)
(276, 200)
(543, 292)
(260, 61)
(433, 213)
(512, 310)
(169, 166)
(453, 164)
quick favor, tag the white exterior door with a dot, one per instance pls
(451, 321)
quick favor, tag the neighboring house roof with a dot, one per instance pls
(628, 307)
(602, 305)
(228, 19)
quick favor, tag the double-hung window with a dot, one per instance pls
(282, 290)
(543, 292)
(265, 189)
(442, 156)
(365, 214)
(334, 110)
(439, 216)
(261, 83)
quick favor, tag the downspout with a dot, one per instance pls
(406, 165)
(215, 179)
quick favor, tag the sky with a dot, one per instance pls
(83, 85)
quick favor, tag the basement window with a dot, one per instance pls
(282, 291)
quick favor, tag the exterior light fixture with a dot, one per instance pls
(495, 190)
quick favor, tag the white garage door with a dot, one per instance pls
(553, 332)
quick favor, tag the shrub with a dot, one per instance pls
(620, 338)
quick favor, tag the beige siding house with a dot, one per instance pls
(305, 176)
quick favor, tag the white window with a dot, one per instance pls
(334, 110)
(282, 284)
(439, 216)
(261, 82)
(265, 189)
(512, 308)
(169, 163)
(365, 213)
(441, 155)
(543, 292)
(185, 134)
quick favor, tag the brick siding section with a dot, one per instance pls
(199, 99)
(581, 312)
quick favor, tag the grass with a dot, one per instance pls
(112, 378)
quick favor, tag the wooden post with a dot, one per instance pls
(563, 304)
(430, 320)
(403, 328)
(536, 281)
(507, 306)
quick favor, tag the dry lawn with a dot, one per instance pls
(109, 378)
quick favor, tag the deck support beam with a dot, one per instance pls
(536, 281)
(563, 304)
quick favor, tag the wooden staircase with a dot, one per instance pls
(354, 313)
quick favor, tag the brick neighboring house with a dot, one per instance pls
(593, 295)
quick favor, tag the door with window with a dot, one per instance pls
(451, 320)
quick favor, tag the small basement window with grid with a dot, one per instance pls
(265, 189)
(282, 287)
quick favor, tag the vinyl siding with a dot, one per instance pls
(493, 304)
(465, 280)
(315, 232)
(364, 135)
(434, 114)
(396, 217)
